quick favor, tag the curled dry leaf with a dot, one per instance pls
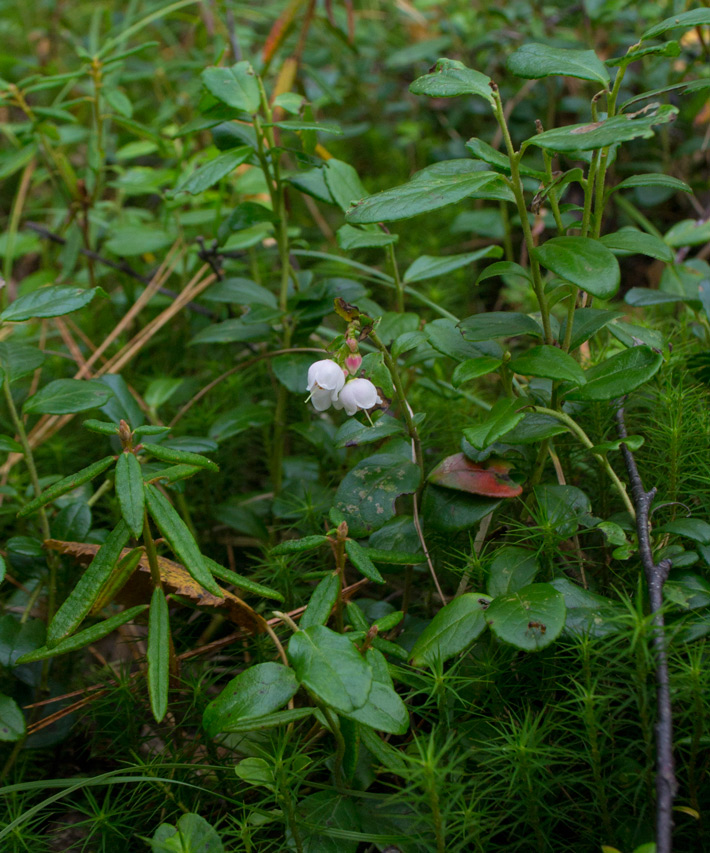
(176, 580)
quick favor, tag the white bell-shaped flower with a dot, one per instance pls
(357, 394)
(325, 380)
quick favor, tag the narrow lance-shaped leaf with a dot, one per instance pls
(179, 538)
(82, 597)
(180, 457)
(296, 546)
(117, 580)
(67, 484)
(322, 601)
(49, 302)
(84, 638)
(362, 562)
(129, 490)
(158, 654)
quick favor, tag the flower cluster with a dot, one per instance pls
(327, 385)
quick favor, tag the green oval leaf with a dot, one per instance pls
(330, 666)
(451, 78)
(67, 396)
(472, 368)
(130, 492)
(367, 494)
(693, 18)
(427, 266)
(236, 86)
(619, 374)
(12, 720)
(499, 324)
(550, 363)
(534, 61)
(511, 569)
(49, 302)
(255, 692)
(212, 171)
(583, 261)
(530, 619)
(428, 193)
(631, 241)
(453, 628)
(602, 134)
(158, 654)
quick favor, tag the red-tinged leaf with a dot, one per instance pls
(490, 478)
(280, 30)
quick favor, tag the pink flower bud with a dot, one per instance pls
(353, 362)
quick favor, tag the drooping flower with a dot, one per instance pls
(357, 394)
(325, 380)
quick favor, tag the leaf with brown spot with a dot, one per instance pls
(490, 479)
(175, 579)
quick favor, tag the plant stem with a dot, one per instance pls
(397, 279)
(589, 444)
(518, 192)
(151, 553)
(340, 747)
(412, 431)
(52, 560)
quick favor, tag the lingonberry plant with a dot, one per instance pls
(490, 635)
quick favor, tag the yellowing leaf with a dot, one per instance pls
(175, 579)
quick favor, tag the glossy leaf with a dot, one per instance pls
(472, 368)
(18, 360)
(66, 396)
(322, 602)
(500, 420)
(359, 557)
(550, 363)
(12, 721)
(236, 86)
(453, 628)
(297, 546)
(192, 834)
(428, 193)
(426, 266)
(529, 619)
(490, 479)
(499, 324)
(450, 79)
(583, 261)
(534, 61)
(503, 268)
(179, 457)
(602, 134)
(330, 666)
(158, 654)
(630, 241)
(50, 301)
(619, 374)
(693, 18)
(688, 232)
(367, 494)
(511, 569)
(179, 538)
(19, 638)
(448, 510)
(65, 485)
(85, 637)
(345, 186)
(350, 238)
(209, 173)
(129, 491)
(587, 322)
(652, 180)
(82, 597)
(384, 710)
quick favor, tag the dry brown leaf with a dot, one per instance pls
(176, 579)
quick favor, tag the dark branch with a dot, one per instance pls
(656, 575)
(119, 266)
